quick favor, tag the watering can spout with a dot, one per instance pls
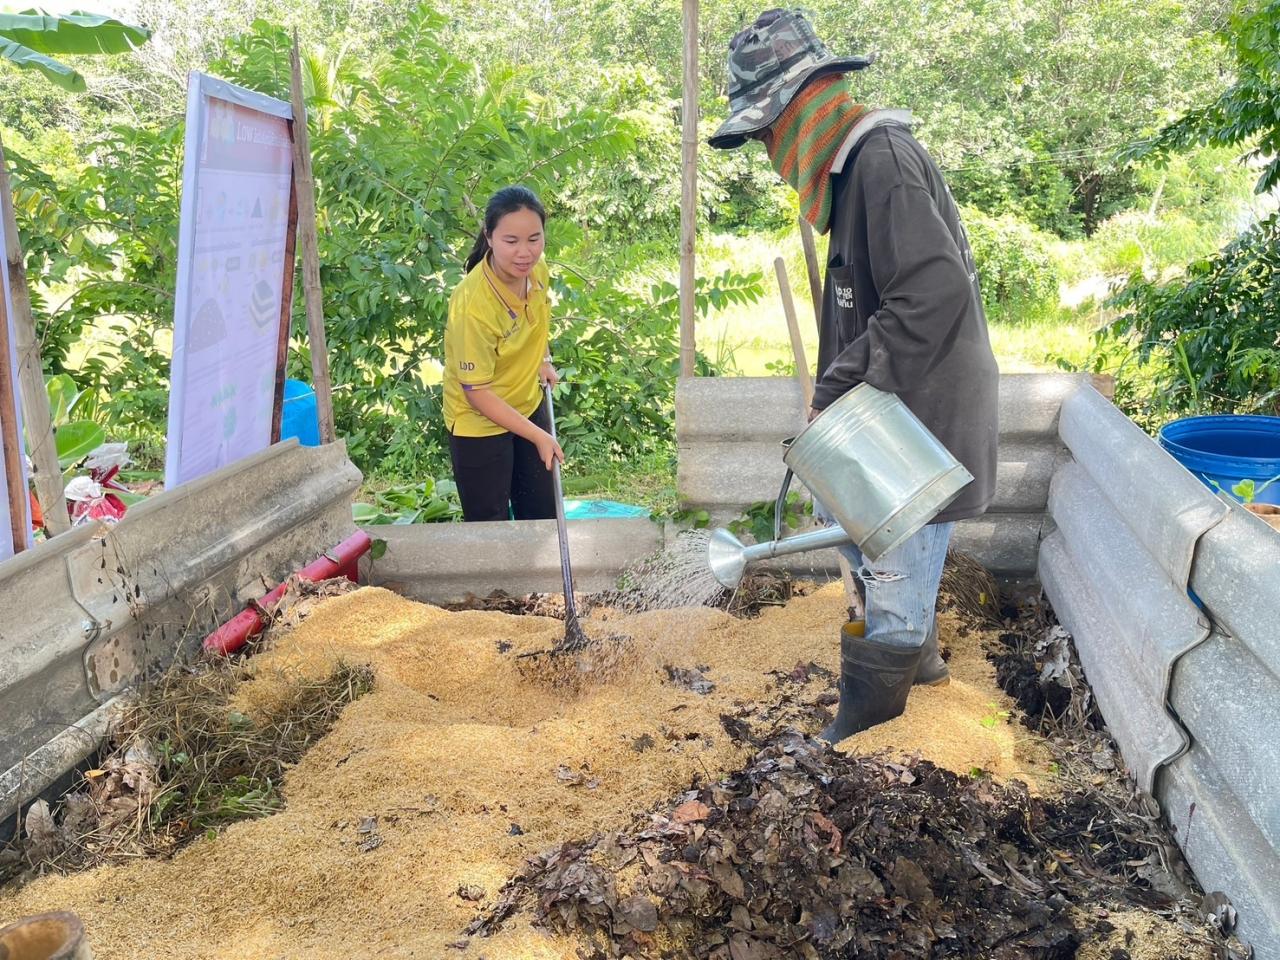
(725, 557)
(728, 557)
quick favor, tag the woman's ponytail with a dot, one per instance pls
(479, 250)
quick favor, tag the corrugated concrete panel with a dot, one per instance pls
(117, 601)
(729, 433)
(1031, 403)
(1138, 720)
(1141, 621)
(738, 408)
(1023, 473)
(1230, 704)
(1224, 846)
(1227, 693)
(719, 408)
(1006, 544)
(729, 474)
(39, 770)
(1237, 575)
(42, 642)
(442, 562)
(1167, 508)
(1133, 530)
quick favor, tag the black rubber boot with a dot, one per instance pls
(875, 679)
(933, 671)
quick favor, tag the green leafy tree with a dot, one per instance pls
(1210, 341)
(1248, 112)
(407, 148)
(1025, 102)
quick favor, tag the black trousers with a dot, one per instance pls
(503, 476)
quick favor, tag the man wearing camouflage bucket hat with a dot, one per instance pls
(901, 311)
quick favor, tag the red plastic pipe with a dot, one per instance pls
(341, 561)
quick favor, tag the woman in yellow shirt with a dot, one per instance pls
(495, 362)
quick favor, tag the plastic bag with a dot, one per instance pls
(91, 498)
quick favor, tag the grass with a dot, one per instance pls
(650, 482)
(746, 341)
(753, 340)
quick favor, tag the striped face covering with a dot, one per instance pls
(805, 139)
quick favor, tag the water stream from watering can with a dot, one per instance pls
(678, 577)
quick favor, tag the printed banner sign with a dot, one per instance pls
(234, 254)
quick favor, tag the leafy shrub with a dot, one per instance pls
(1204, 342)
(1018, 275)
(619, 355)
(427, 501)
(1210, 340)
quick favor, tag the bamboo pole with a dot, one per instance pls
(312, 294)
(793, 328)
(35, 399)
(811, 267)
(689, 189)
(857, 606)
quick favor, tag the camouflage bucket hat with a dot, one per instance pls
(769, 62)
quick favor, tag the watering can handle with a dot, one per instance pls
(780, 508)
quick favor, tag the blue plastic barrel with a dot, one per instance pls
(300, 417)
(1224, 449)
(601, 510)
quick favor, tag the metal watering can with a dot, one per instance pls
(874, 467)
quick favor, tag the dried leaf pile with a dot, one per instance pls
(808, 853)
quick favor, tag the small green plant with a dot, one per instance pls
(1247, 490)
(781, 367)
(758, 518)
(431, 501)
(690, 519)
(74, 439)
(995, 716)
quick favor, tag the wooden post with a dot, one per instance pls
(857, 607)
(305, 186)
(793, 327)
(35, 399)
(811, 266)
(286, 308)
(11, 440)
(689, 189)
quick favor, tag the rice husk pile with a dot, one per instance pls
(1139, 935)
(939, 722)
(408, 817)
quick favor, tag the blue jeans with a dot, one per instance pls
(902, 586)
